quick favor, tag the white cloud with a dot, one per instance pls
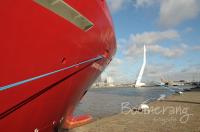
(191, 68)
(173, 12)
(114, 70)
(167, 52)
(143, 3)
(154, 37)
(189, 30)
(192, 71)
(158, 70)
(153, 41)
(116, 5)
(196, 48)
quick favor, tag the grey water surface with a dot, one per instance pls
(103, 102)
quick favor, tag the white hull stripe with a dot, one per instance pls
(48, 74)
(67, 12)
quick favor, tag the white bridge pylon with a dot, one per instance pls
(138, 82)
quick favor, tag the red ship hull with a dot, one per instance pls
(48, 62)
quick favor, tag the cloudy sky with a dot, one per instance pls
(170, 29)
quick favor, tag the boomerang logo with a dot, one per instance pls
(67, 12)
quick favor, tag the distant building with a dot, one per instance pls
(107, 82)
(99, 79)
(100, 82)
(110, 81)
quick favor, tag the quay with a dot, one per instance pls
(176, 113)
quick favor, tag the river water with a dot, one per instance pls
(103, 102)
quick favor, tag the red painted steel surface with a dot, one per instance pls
(35, 41)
